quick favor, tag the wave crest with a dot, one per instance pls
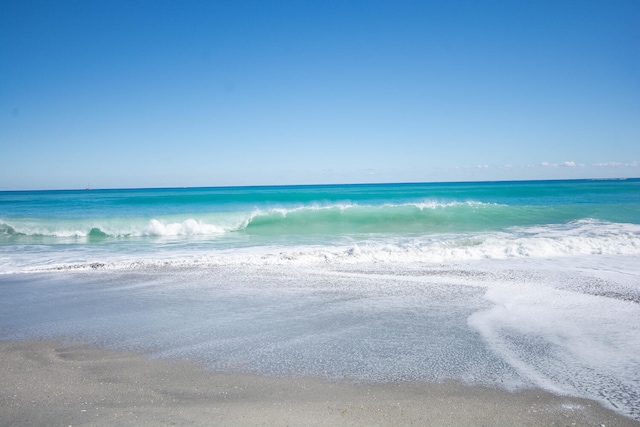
(189, 227)
(330, 220)
(310, 221)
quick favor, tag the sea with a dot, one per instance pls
(503, 284)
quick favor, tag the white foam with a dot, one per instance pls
(549, 323)
(189, 227)
(534, 243)
(564, 341)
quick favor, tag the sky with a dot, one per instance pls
(114, 94)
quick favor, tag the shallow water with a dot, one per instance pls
(497, 323)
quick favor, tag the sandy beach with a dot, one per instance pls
(47, 383)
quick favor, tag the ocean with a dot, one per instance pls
(506, 284)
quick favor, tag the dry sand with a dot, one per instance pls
(45, 383)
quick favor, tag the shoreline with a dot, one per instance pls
(50, 383)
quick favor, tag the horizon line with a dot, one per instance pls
(177, 187)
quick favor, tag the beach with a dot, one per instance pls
(494, 303)
(49, 383)
(306, 213)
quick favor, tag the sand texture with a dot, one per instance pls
(49, 384)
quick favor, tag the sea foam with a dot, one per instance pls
(582, 238)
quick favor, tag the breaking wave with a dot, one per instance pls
(581, 238)
(428, 232)
(333, 220)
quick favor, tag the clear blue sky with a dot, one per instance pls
(202, 93)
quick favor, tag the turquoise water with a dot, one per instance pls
(142, 222)
(507, 284)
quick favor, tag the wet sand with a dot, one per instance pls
(47, 383)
